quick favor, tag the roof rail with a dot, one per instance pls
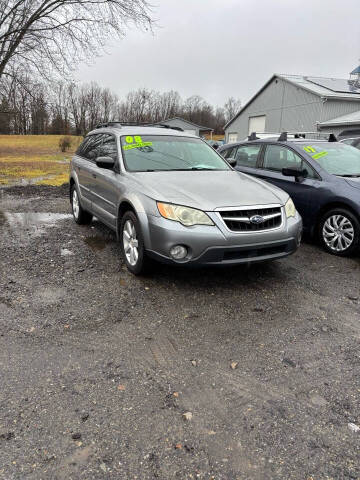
(283, 137)
(165, 125)
(136, 124)
(299, 134)
(253, 137)
(296, 134)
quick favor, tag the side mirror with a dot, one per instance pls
(231, 161)
(294, 172)
(105, 162)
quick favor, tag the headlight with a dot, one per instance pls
(290, 209)
(185, 215)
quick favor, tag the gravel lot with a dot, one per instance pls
(98, 367)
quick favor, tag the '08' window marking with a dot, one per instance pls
(135, 142)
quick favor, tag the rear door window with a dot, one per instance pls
(108, 147)
(93, 147)
(228, 152)
(247, 155)
(82, 147)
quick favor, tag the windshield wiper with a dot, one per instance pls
(351, 175)
(202, 168)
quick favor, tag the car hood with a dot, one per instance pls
(208, 190)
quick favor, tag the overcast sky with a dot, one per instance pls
(219, 49)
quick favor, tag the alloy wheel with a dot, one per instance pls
(338, 233)
(130, 242)
(75, 204)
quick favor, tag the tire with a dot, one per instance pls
(132, 244)
(339, 232)
(81, 216)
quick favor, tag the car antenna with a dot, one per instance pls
(283, 137)
(332, 138)
(253, 137)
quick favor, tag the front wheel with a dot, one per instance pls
(339, 232)
(132, 244)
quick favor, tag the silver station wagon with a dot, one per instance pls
(170, 197)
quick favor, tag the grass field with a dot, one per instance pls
(37, 159)
(34, 159)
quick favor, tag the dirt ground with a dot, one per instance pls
(98, 367)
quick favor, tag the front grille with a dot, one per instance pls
(239, 220)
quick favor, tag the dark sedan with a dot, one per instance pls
(322, 177)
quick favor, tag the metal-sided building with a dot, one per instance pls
(298, 103)
(187, 126)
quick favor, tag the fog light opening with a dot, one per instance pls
(178, 252)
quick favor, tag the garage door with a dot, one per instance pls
(232, 137)
(257, 124)
(191, 132)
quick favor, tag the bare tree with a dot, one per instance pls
(47, 36)
(231, 108)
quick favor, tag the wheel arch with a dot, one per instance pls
(331, 206)
(141, 208)
(125, 206)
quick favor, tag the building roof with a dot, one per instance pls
(355, 71)
(335, 88)
(187, 121)
(348, 119)
(325, 87)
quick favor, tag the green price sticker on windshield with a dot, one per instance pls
(320, 154)
(309, 149)
(137, 145)
(312, 151)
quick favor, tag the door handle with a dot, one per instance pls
(94, 175)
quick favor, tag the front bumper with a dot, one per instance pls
(216, 245)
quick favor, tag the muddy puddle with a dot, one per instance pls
(30, 222)
(97, 243)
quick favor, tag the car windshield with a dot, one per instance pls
(335, 158)
(150, 153)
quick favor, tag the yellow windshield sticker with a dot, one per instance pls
(137, 145)
(309, 149)
(312, 151)
(319, 155)
(135, 142)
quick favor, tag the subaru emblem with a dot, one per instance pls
(257, 219)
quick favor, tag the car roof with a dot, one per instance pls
(276, 141)
(141, 130)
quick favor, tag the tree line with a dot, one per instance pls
(65, 107)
